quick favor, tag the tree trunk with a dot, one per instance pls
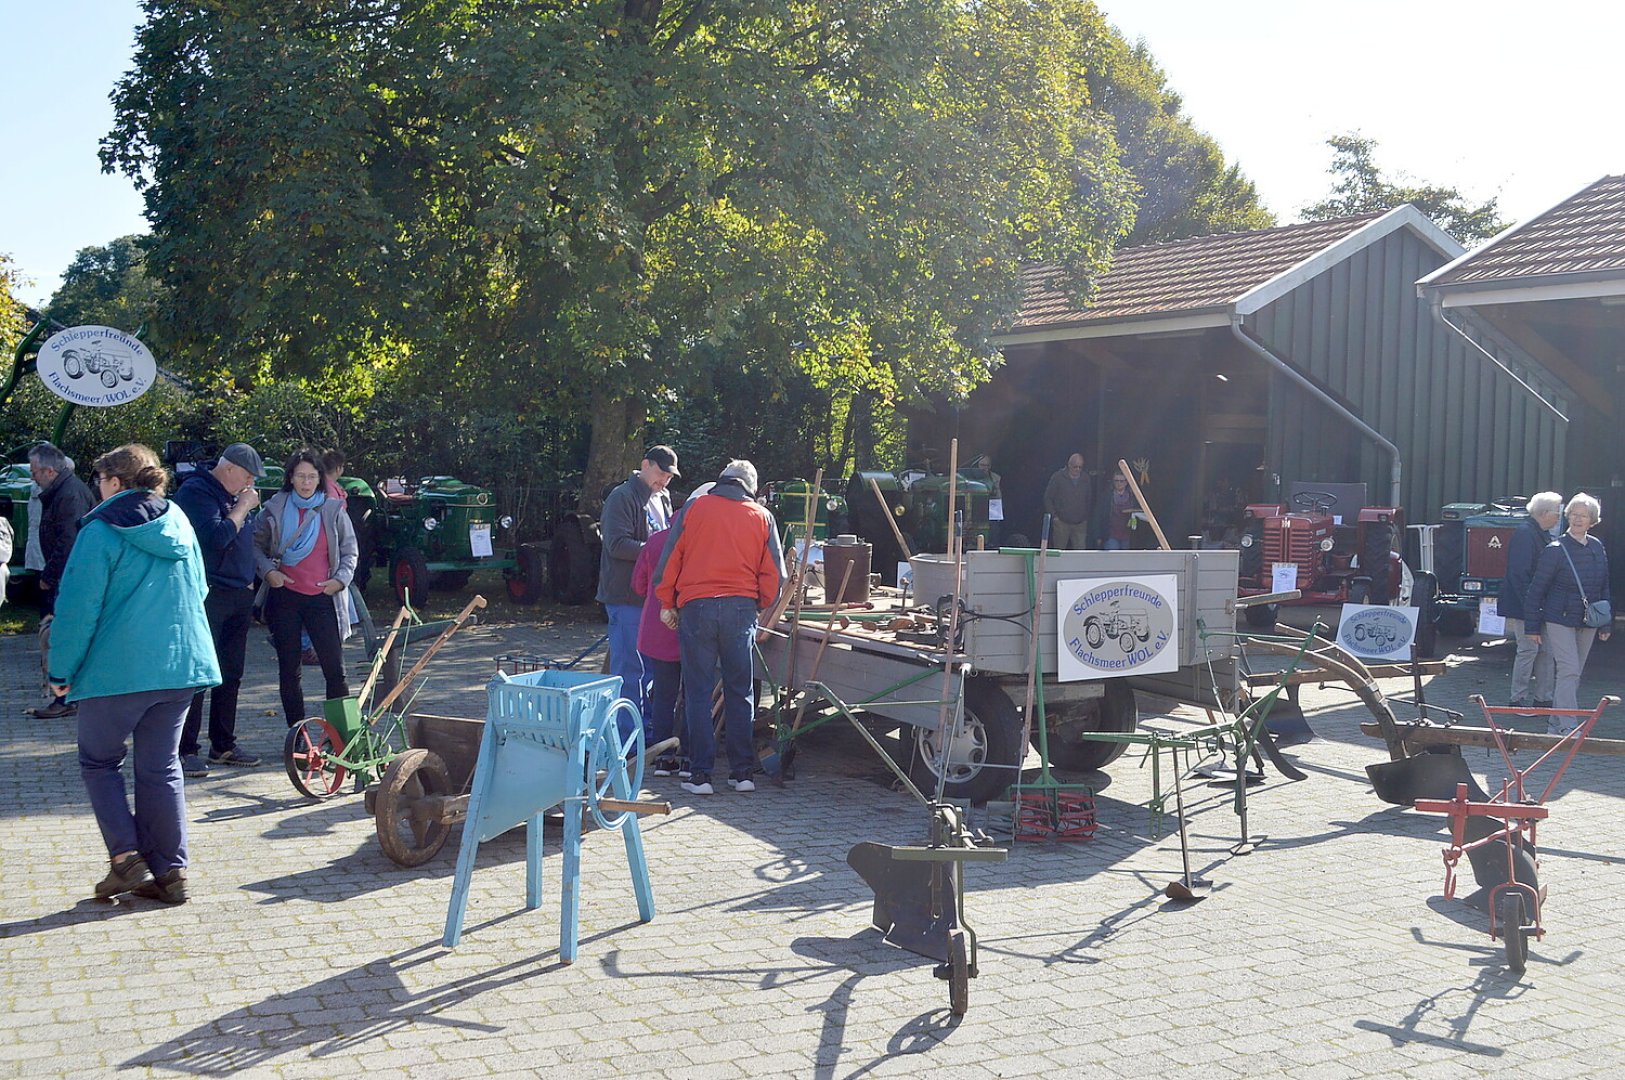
(613, 451)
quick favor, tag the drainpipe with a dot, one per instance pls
(1236, 331)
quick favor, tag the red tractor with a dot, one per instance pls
(1335, 560)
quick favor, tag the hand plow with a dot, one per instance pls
(1498, 834)
(920, 891)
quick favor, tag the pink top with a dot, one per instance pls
(307, 575)
(654, 639)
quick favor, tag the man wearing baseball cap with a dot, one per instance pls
(218, 502)
(637, 507)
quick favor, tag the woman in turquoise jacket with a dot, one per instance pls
(130, 645)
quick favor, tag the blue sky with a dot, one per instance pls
(1498, 98)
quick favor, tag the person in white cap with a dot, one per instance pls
(722, 566)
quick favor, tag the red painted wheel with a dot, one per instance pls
(411, 577)
(310, 753)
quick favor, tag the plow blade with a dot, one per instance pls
(903, 898)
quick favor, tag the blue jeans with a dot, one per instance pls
(624, 658)
(715, 635)
(157, 829)
(665, 681)
(1113, 545)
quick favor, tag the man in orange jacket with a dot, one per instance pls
(722, 566)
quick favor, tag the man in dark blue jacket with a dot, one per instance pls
(1533, 658)
(218, 502)
(64, 501)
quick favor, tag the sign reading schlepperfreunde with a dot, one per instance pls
(1377, 632)
(1111, 627)
(96, 365)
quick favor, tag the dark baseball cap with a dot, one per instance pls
(245, 457)
(665, 457)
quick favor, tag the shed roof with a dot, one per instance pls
(1208, 275)
(1584, 234)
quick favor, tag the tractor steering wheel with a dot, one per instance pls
(1314, 500)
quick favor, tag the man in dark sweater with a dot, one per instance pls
(64, 500)
(218, 501)
(1069, 500)
(636, 508)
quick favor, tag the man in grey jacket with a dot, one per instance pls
(636, 508)
(1069, 500)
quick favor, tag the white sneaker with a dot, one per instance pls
(703, 788)
(740, 785)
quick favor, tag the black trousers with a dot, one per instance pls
(286, 612)
(231, 615)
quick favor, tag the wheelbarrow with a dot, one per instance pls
(1503, 828)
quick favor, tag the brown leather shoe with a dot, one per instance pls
(126, 875)
(56, 710)
(168, 887)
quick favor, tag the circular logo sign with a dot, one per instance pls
(96, 365)
(1375, 631)
(1117, 626)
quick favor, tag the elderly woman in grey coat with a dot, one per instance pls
(305, 550)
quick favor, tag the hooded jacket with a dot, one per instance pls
(130, 610)
(722, 544)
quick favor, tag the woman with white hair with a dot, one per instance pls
(1533, 659)
(1570, 574)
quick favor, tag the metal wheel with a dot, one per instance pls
(409, 829)
(410, 575)
(982, 762)
(958, 974)
(309, 753)
(1509, 908)
(607, 746)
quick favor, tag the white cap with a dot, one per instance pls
(703, 489)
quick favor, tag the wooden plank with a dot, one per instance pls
(1378, 671)
(1461, 735)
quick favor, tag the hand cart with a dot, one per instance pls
(1508, 823)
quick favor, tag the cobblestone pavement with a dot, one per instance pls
(1329, 952)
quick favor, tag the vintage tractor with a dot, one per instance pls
(435, 533)
(1336, 556)
(918, 503)
(1467, 555)
(788, 500)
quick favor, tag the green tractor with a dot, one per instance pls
(437, 532)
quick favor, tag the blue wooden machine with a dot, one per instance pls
(551, 739)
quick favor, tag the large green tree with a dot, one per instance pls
(108, 285)
(557, 202)
(1360, 187)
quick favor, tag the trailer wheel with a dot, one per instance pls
(984, 760)
(1509, 908)
(1116, 711)
(1263, 616)
(366, 545)
(1423, 589)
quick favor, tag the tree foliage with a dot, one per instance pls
(13, 312)
(108, 285)
(1361, 188)
(1185, 186)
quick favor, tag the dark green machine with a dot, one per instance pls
(927, 519)
(788, 499)
(435, 533)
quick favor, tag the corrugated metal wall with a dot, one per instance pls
(1465, 430)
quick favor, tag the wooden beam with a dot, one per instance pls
(1527, 338)
(1460, 735)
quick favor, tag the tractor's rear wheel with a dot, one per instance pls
(1263, 616)
(1423, 589)
(366, 545)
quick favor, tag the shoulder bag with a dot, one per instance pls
(1598, 613)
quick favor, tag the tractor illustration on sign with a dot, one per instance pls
(98, 360)
(1125, 627)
